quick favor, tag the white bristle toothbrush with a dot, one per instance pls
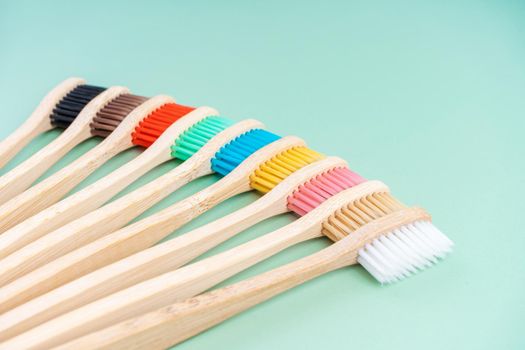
(37, 123)
(157, 132)
(173, 253)
(175, 323)
(197, 146)
(115, 121)
(74, 112)
(370, 227)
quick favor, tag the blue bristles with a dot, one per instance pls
(237, 150)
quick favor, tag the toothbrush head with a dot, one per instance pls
(70, 106)
(112, 114)
(151, 127)
(237, 150)
(314, 192)
(195, 137)
(389, 252)
(404, 250)
(274, 171)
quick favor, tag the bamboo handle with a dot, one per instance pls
(134, 269)
(172, 286)
(120, 244)
(52, 189)
(79, 203)
(21, 177)
(178, 322)
(37, 123)
(85, 230)
(12, 144)
(145, 233)
(151, 294)
(174, 324)
(183, 249)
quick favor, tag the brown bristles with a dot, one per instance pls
(359, 213)
(110, 117)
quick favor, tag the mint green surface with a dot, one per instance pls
(427, 96)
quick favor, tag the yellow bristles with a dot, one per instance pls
(275, 170)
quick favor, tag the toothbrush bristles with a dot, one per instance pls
(404, 251)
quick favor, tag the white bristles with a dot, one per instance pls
(404, 251)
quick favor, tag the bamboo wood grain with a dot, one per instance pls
(104, 220)
(177, 322)
(21, 177)
(38, 122)
(52, 189)
(156, 260)
(145, 233)
(190, 280)
(97, 193)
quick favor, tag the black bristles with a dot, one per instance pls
(72, 104)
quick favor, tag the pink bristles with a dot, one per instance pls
(310, 195)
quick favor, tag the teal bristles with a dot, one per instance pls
(192, 140)
(236, 151)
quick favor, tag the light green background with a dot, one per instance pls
(427, 96)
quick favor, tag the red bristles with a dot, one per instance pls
(150, 129)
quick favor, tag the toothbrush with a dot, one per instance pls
(157, 132)
(114, 121)
(390, 240)
(146, 232)
(331, 174)
(37, 123)
(74, 113)
(196, 147)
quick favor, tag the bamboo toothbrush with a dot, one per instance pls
(115, 121)
(74, 113)
(37, 123)
(175, 323)
(146, 232)
(178, 251)
(196, 146)
(388, 251)
(155, 132)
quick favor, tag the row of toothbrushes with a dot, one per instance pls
(75, 274)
